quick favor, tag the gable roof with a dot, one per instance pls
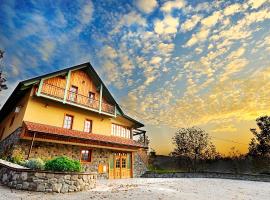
(23, 86)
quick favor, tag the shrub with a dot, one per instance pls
(63, 164)
(35, 163)
(17, 156)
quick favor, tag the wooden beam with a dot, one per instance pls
(79, 144)
(100, 98)
(33, 139)
(40, 87)
(67, 86)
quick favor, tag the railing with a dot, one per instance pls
(75, 98)
(105, 107)
(82, 100)
(53, 91)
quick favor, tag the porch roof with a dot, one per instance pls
(79, 136)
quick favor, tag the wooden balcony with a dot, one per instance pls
(58, 93)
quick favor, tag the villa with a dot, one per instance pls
(71, 112)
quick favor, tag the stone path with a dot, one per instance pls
(147, 188)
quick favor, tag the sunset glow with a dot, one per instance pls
(170, 64)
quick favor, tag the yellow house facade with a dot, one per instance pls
(71, 112)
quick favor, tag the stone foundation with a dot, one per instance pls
(7, 145)
(139, 166)
(45, 151)
(26, 179)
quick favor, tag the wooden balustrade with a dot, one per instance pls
(75, 98)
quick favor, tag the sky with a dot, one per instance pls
(169, 64)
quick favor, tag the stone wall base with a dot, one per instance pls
(22, 179)
(139, 165)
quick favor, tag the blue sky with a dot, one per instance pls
(169, 63)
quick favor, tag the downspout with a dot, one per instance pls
(32, 143)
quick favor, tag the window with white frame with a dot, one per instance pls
(120, 131)
(68, 121)
(88, 126)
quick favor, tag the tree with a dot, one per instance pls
(260, 144)
(193, 143)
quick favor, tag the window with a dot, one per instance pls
(12, 121)
(86, 155)
(88, 126)
(120, 131)
(68, 121)
(117, 163)
(91, 96)
(73, 93)
(124, 163)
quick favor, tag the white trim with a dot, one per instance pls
(100, 98)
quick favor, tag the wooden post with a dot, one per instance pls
(33, 139)
(67, 86)
(40, 87)
(100, 98)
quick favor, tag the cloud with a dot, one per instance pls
(155, 60)
(237, 53)
(256, 3)
(129, 19)
(227, 128)
(166, 48)
(146, 6)
(168, 25)
(86, 13)
(168, 6)
(189, 24)
(212, 19)
(233, 67)
(109, 52)
(46, 50)
(232, 9)
(197, 37)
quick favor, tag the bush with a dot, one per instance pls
(17, 156)
(63, 164)
(35, 163)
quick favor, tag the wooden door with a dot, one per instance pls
(120, 165)
(117, 168)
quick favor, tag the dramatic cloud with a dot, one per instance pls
(169, 63)
(147, 6)
(170, 5)
(168, 25)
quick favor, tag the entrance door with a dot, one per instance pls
(120, 165)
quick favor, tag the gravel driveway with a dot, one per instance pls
(147, 188)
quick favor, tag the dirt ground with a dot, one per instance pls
(147, 188)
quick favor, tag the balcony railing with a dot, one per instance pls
(75, 98)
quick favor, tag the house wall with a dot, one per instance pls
(44, 111)
(46, 150)
(18, 118)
